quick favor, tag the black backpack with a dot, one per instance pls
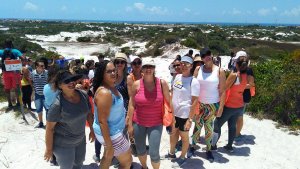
(7, 55)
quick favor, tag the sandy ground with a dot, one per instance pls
(264, 146)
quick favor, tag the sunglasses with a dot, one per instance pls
(120, 62)
(178, 65)
(136, 63)
(148, 67)
(111, 71)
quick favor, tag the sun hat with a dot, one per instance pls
(198, 59)
(133, 57)
(148, 61)
(121, 56)
(187, 59)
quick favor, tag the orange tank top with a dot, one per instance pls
(235, 93)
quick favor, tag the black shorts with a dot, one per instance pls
(179, 123)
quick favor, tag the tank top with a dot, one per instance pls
(209, 86)
(122, 88)
(235, 93)
(148, 105)
(115, 120)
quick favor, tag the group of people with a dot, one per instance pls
(120, 105)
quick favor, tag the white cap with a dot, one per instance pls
(133, 57)
(239, 54)
(148, 61)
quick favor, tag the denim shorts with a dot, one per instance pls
(39, 101)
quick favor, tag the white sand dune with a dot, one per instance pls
(22, 147)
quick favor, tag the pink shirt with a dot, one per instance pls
(148, 105)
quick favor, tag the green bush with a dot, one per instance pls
(278, 91)
(191, 43)
(84, 39)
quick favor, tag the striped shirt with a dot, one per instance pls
(39, 81)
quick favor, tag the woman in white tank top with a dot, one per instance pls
(212, 96)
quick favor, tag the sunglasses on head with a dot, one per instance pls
(136, 63)
(120, 62)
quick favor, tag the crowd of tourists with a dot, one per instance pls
(123, 103)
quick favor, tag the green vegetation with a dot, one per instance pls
(277, 89)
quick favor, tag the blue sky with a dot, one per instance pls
(238, 11)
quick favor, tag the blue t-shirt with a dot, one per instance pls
(50, 95)
(15, 55)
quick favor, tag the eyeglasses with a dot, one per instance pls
(111, 71)
(120, 62)
(178, 65)
(137, 63)
(148, 67)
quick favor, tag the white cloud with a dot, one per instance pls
(293, 12)
(263, 11)
(236, 11)
(139, 6)
(187, 10)
(128, 9)
(30, 6)
(64, 8)
(157, 10)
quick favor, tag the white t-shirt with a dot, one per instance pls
(91, 74)
(209, 84)
(182, 94)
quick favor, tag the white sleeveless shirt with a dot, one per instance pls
(209, 86)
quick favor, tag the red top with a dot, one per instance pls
(148, 105)
(235, 94)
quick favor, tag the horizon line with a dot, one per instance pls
(159, 22)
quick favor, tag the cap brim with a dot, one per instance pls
(72, 78)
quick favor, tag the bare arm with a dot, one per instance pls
(196, 71)
(90, 119)
(222, 91)
(165, 89)
(49, 140)
(104, 106)
(129, 85)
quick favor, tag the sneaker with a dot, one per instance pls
(53, 163)
(228, 148)
(191, 152)
(169, 157)
(210, 156)
(179, 162)
(96, 159)
(40, 125)
(213, 147)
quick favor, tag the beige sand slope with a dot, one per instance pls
(22, 147)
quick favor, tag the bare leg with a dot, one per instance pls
(155, 165)
(185, 142)
(239, 125)
(40, 115)
(143, 160)
(173, 139)
(125, 160)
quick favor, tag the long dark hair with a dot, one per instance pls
(99, 74)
